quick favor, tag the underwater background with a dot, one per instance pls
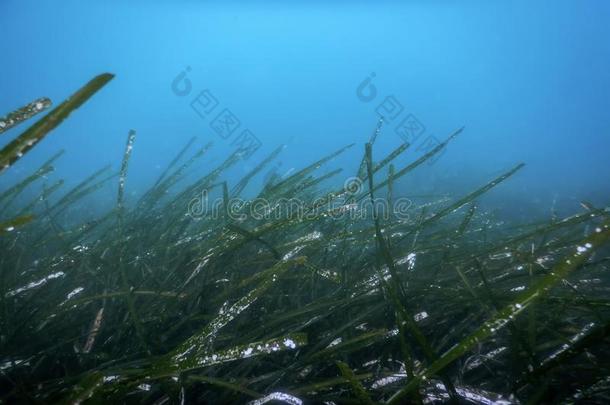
(528, 80)
(300, 202)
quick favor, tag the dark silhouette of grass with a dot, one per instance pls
(148, 304)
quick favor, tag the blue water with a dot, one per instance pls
(529, 81)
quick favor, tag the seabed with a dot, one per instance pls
(329, 303)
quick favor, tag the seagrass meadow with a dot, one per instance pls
(149, 304)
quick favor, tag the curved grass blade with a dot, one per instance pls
(131, 137)
(26, 141)
(467, 218)
(239, 187)
(470, 197)
(362, 167)
(288, 342)
(69, 197)
(11, 224)
(393, 155)
(331, 382)
(199, 343)
(298, 176)
(277, 396)
(164, 367)
(153, 195)
(578, 257)
(395, 288)
(14, 191)
(357, 387)
(250, 236)
(24, 113)
(135, 318)
(46, 193)
(224, 384)
(175, 160)
(417, 163)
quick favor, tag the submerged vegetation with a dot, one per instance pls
(151, 304)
